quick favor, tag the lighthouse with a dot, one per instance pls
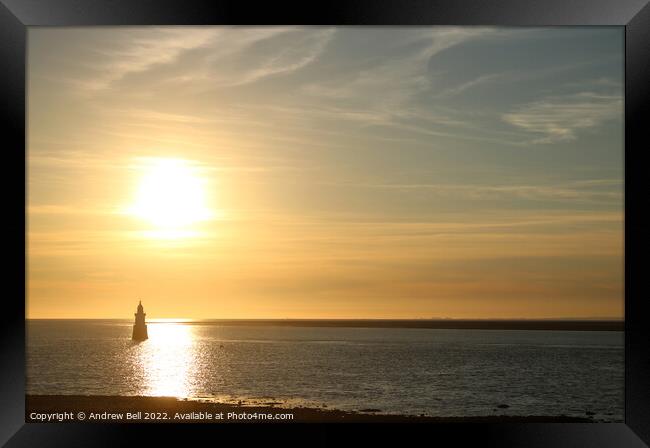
(140, 327)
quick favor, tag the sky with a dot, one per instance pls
(325, 172)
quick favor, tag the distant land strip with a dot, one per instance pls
(576, 325)
(468, 324)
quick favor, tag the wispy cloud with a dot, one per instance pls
(289, 59)
(483, 79)
(581, 191)
(558, 119)
(376, 79)
(138, 51)
(65, 210)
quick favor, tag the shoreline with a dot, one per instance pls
(140, 409)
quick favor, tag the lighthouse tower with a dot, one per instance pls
(140, 327)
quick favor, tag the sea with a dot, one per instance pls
(407, 371)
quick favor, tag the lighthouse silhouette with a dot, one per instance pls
(140, 327)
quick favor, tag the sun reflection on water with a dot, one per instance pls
(167, 359)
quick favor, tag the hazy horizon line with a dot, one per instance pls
(183, 319)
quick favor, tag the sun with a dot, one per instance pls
(171, 195)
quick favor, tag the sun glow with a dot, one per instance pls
(171, 197)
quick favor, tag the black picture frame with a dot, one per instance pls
(17, 15)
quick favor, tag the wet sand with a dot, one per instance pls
(106, 409)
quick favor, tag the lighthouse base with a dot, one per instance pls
(140, 333)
